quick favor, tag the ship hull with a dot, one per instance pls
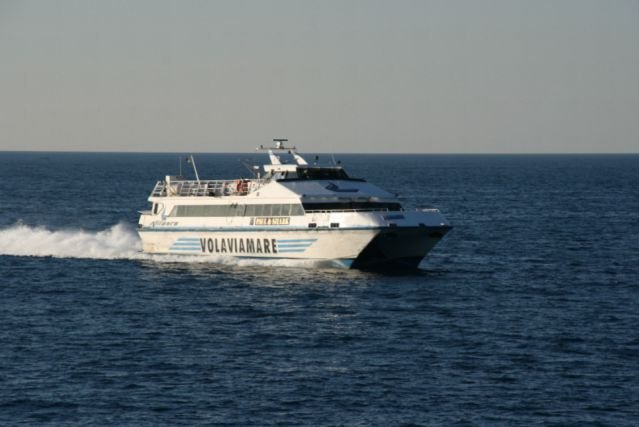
(399, 248)
(368, 248)
(340, 246)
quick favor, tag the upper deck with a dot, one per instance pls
(206, 188)
(294, 177)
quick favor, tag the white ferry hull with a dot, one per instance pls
(340, 246)
(368, 248)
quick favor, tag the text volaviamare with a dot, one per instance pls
(238, 246)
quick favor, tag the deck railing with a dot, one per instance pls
(206, 188)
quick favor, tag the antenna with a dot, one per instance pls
(279, 147)
(191, 160)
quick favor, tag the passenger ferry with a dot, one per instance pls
(289, 210)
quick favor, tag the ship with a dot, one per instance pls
(289, 209)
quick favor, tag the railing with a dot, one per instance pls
(210, 188)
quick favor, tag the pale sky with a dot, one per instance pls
(441, 76)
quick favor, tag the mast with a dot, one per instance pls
(280, 147)
(191, 160)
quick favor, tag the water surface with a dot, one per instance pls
(526, 313)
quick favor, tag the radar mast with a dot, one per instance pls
(280, 147)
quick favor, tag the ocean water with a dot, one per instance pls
(527, 313)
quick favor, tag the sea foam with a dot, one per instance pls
(117, 242)
(120, 241)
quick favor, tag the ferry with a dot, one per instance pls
(289, 210)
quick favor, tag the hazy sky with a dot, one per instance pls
(445, 76)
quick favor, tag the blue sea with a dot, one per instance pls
(526, 313)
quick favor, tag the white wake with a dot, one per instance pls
(120, 241)
(117, 242)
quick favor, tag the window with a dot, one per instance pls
(342, 206)
(250, 210)
(203, 210)
(317, 172)
(296, 210)
(239, 210)
(235, 210)
(321, 173)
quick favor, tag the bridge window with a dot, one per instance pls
(316, 173)
(321, 173)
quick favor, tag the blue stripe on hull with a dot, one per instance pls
(345, 262)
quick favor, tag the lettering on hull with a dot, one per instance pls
(271, 221)
(233, 245)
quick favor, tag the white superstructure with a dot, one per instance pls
(295, 210)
